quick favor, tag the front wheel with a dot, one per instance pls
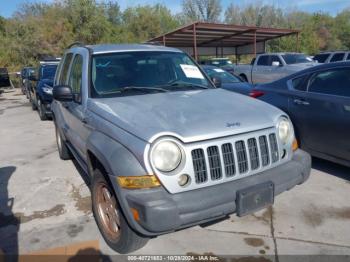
(110, 218)
(63, 150)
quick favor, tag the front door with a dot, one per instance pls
(75, 110)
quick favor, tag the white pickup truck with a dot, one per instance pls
(270, 67)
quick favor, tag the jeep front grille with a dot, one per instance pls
(234, 159)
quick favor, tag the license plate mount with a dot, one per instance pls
(254, 198)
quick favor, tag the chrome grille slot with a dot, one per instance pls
(200, 169)
(229, 159)
(241, 157)
(253, 154)
(264, 149)
(214, 162)
(273, 148)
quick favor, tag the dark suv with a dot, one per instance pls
(41, 87)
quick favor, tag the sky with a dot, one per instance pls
(7, 7)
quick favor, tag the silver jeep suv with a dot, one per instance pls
(164, 148)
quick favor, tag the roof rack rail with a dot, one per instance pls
(79, 44)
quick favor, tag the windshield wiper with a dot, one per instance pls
(184, 84)
(141, 88)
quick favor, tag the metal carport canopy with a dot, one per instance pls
(204, 39)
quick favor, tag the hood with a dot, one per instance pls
(188, 115)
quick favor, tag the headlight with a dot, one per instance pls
(47, 90)
(284, 129)
(166, 156)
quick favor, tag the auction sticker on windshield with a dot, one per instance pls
(191, 71)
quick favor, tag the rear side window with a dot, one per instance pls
(348, 58)
(332, 82)
(65, 67)
(75, 78)
(321, 58)
(300, 83)
(263, 60)
(337, 57)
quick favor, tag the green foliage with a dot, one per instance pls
(201, 10)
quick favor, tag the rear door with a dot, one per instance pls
(323, 112)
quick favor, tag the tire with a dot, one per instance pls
(33, 104)
(41, 110)
(111, 221)
(63, 150)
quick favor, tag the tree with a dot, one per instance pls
(201, 10)
(146, 22)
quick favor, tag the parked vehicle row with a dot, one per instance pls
(332, 57)
(37, 84)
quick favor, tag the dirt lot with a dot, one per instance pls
(45, 203)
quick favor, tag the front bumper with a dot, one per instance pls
(161, 212)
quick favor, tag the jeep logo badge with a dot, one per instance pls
(233, 124)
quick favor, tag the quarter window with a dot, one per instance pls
(299, 83)
(332, 82)
(75, 78)
(63, 74)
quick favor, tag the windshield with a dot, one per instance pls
(48, 71)
(145, 72)
(296, 59)
(222, 74)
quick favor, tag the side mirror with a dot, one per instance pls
(217, 81)
(276, 63)
(62, 93)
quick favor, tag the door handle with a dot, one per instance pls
(301, 102)
(84, 120)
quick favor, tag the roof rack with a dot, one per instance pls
(76, 44)
(79, 44)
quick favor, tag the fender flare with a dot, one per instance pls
(115, 158)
